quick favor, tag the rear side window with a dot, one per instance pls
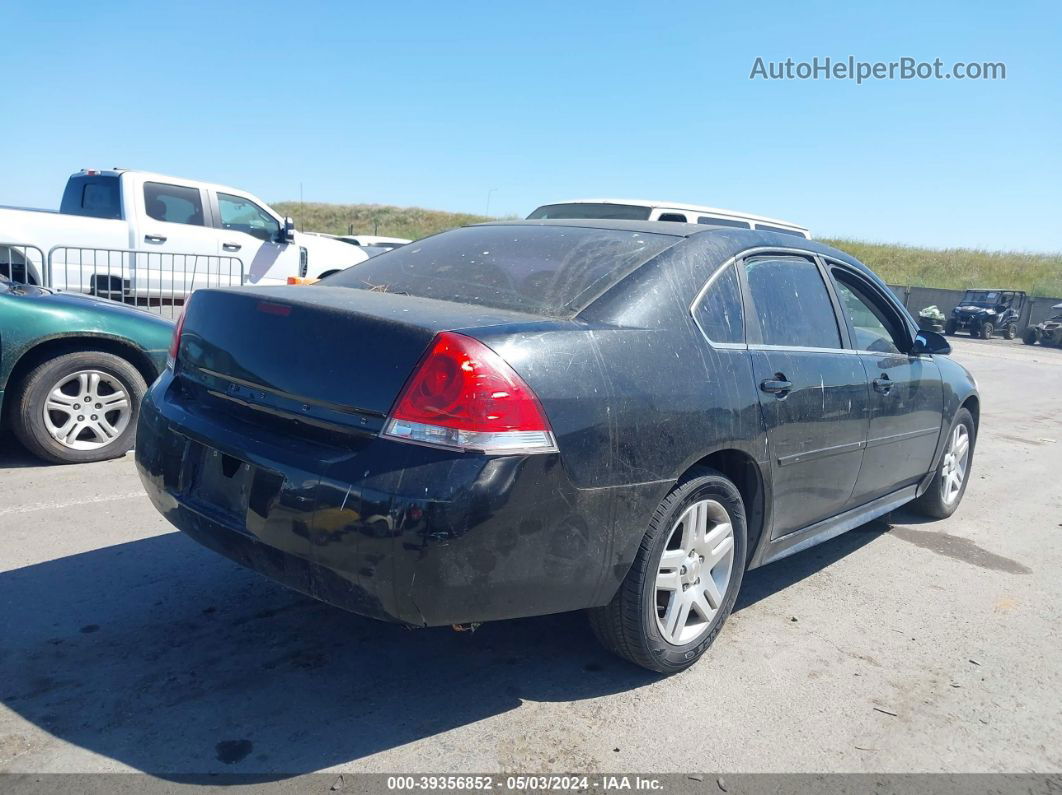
(173, 204)
(615, 212)
(95, 197)
(719, 312)
(545, 270)
(705, 219)
(790, 303)
(678, 217)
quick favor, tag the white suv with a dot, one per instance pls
(644, 210)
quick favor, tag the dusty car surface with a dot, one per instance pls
(1048, 332)
(533, 417)
(73, 370)
(983, 313)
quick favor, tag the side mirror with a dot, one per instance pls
(930, 342)
(289, 230)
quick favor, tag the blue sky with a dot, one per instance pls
(434, 104)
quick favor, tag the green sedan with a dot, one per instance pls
(73, 370)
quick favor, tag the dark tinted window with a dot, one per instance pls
(173, 203)
(874, 326)
(545, 270)
(618, 212)
(791, 303)
(96, 197)
(704, 219)
(679, 217)
(769, 228)
(719, 313)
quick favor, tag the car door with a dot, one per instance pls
(906, 395)
(177, 247)
(255, 236)
(812, 391)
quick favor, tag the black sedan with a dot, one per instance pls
(524, 418)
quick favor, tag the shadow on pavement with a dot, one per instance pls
(174, 661)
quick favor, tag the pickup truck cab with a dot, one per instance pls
(135, 211)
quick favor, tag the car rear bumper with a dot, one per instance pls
(385, 529)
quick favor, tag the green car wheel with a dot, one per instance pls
(79, 407)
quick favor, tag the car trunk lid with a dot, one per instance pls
(331, 356)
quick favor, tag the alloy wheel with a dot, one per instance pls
(694, 572)
(956, 461)
(87, 410)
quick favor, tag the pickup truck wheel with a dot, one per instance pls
(685, 578)
(986, 331)
(79, 407)
(948, 486)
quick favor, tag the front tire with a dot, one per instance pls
(1031, 336)
(79, 407)
(951, 327)
(949, 483)
(684, 581)
(987, 330)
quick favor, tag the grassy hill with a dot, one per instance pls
(958, 268)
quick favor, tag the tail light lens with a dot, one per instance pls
(464, 396)
(175, 341)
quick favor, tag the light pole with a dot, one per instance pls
(489, 192)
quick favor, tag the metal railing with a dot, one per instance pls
(154, 280)
(21, 262)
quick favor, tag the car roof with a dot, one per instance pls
(698, 208)
(727, 241)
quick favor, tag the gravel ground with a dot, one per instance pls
(900, 646)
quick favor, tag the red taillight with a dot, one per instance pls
(175, 341)
(464, 395)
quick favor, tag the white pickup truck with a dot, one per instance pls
(163, 233)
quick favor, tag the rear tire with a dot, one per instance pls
(110, 435)
(645, 622)
(1031, 336)
(986, 331)
(1010, 331)
(941, 501)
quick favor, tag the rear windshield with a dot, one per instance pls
(96, 197)
(544, 270)
(615, 212)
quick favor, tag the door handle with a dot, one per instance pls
(883, 384)
(154, 239)
(231, 246)
(778, 385)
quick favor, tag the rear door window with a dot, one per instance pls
(790, 303)
(174, 204)
(544, 270)
(719, 313)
